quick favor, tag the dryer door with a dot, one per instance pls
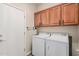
(54, 48)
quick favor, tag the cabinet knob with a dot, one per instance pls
(62, 22)
(59, 22)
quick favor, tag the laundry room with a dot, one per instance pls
(47, 24)
(39, 29)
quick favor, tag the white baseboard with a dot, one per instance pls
(28, 53)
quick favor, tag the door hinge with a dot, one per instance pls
(24, 17)
(24, 49)
(24, 33)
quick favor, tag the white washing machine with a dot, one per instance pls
(54, 45)
(57, 45)
(38, 44)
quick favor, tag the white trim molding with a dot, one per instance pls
(28, 53)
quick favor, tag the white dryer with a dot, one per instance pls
(38, 44)
(57, 45)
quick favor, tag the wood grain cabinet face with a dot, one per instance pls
(55, 15)
(65, 14)
(45, 17)
(70, 14)
(37, 20)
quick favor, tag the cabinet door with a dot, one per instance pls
(45, 17)
(55, 15)
(37, 19)
(70, 14)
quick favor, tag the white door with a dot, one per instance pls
(13, 31)
(38, 47)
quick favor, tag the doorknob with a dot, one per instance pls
(0, 35)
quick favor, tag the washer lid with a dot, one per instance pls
(42, 35)
(59, 37)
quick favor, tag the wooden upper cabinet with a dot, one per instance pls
(55, 15)
(64, 14)
(70, 14)
(37, 20)
(45, 17)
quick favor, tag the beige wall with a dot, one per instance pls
(72, 30)
(28, 9)
(43, 6)
(78, 36)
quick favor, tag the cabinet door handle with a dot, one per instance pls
(59, 22)
(63, 22)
